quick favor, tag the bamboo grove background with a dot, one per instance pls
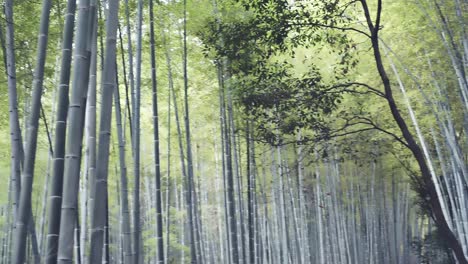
(165, 131)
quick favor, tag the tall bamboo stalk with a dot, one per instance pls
(192, 213)
(24, 207)
(157, 163)
(98, 222)
(125, 212)
(75, 127)
(137, 247)
(15, 133)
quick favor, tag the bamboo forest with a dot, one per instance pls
(234, 131)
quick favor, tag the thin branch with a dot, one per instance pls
(370, 88)
(331, 26)
(49, 138)
(379, 13)
(345, 7)
(391, 134)
(350, 132)
(371, 123)
(364, 121)
(367, 15)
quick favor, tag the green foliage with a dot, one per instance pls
(263, 83)
(281, 103)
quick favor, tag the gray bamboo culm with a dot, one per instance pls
(98, 221)
(125, 212)
(75, 128)
(55, 196)
(24, 216)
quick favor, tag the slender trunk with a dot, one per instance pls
(17, 153)
(130, 66)
(77, 240)
(106, 229)
(75, 127)
(168, 193)
(238, 184)
(124, 68)
(125, 224)
(87, 196)
(24, 207)
(44, 205)
(250, 197)
(179, 132)
(34, 245)
(222, 116)
(195, 252)
(427, 184)
(137, 250)
(98, 222)
(159, 222)
(229, 181)
(41, 244)
(297, 258)
(15, 133)
(319, 208)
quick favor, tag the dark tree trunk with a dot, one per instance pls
(427, 184)
(195, 247)
(136, 143)
(159, 222)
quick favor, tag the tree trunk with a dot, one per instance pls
(75, 127)
(195, 252)
(15, 134)
(98, 222)
(130, 67)
(137, 249)
(125, 224)
(250, 196)
(231, 206)
(159, 222)
(24, 208)
(427, 183)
